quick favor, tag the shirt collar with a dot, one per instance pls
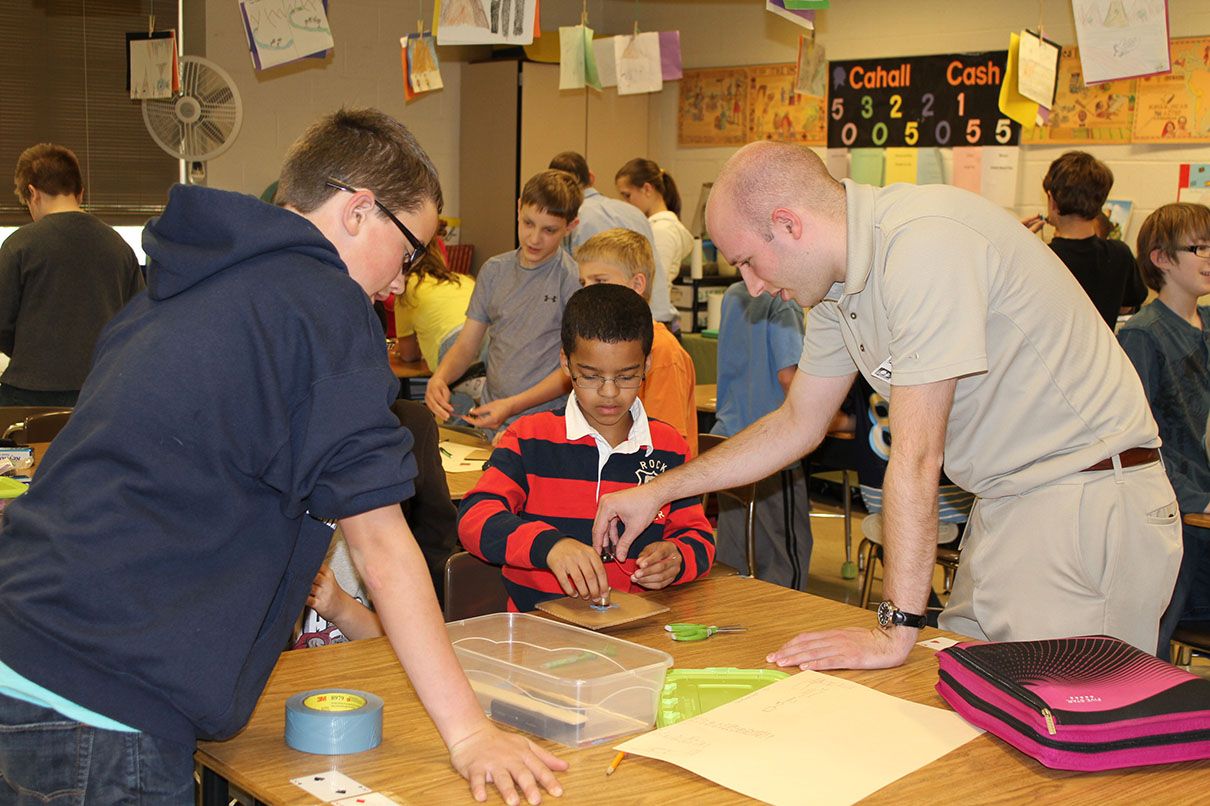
(591, 192)
(639, 437)
(861, 235)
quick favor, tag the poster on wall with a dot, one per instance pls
(713, 108)
(777, 112)
(1176, 107)
(943, 100)
(1081, 114)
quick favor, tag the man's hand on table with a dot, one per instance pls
(846, 648)
(509, 761)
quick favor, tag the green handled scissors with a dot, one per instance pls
(698, 632)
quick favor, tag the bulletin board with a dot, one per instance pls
(1175, 107)
(777, 112)
(943, 100)
(1082, 114)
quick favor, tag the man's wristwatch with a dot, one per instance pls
(891, 616)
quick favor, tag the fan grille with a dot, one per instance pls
(212, 131)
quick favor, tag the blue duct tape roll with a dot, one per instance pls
(334, 721)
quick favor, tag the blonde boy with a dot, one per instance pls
(519, 298)
(622, 257)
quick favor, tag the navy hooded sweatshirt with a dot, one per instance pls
(154, 569)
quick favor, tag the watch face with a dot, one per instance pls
(886, 612)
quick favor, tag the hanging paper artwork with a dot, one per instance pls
(152, 67)
(799, 17)
(283, 31)
(424, 71)
(670, 55)
(713, 108)
(607, 70)
(638, 63)
(812, 68)
(1116, 42)
(1037, 68)
(577, 58)
(485, 22)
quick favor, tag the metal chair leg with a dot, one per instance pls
(870, 552)
(750, 532)
(847, 570)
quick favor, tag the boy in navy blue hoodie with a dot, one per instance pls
(234, 411)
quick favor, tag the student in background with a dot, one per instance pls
(431, 311)
(651, 189)
(623, 257)
(152, 576)
(62, 278)
(599, 213)
(759, 344)
(1077, 185)
(518, 299)
(1169, 343)
(532, 510)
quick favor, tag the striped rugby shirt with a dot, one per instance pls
(542, 484)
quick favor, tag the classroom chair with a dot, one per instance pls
(472, 587)
(458, 257)
(871, 552)
(1189, 637)
(744, 494)
(834, 456)
(26, 424)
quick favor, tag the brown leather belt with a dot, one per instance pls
(1128, 458)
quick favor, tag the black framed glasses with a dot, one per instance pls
(1200, 249)
(597, 382)
(418, 249)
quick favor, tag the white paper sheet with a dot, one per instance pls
(485, 22)
(811, 738)
(151, 63)
(638, 63)
(607, 67)
(457, 458)
(1120, 40)
(286, 30)
(571, 57)
(999, 174)
(1037, 64)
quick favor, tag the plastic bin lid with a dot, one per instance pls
(11, 488)
(689, 692)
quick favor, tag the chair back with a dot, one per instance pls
(45, 427)
(14, 421)
(745, 494)
(458, 257)
(472, 587)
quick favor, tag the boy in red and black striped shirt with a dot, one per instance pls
(532, 511)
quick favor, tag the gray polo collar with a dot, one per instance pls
(859, 200)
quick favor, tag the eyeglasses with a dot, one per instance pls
(1201, 249)
(597, 382)
(418, 248)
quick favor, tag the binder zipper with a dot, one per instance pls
(1016, 689)
(1077, 747)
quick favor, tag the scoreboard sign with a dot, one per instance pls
(941, 101)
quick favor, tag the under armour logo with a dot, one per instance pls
(549, 298)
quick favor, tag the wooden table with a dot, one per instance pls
(413, 767)
(706, 397)
(461, 483)
(1201, 519)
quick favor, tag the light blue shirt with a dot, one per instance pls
(598, 213)
(21, 688)
(757, 337)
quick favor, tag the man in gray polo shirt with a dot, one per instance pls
(994, 359)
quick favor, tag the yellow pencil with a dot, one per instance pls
(613, 765)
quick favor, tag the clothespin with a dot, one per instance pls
(636, 27)
(420, 28)
(150, 24)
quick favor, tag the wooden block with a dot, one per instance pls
(625, 608)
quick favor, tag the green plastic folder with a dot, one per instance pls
(689, 692)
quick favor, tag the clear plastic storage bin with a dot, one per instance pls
(560, 682)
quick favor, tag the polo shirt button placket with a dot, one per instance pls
(852, 316)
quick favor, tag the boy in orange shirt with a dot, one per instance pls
(622, 257)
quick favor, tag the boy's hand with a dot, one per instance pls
(507, 760)
(578, 568)
(1033, 223)
(437, 398)
(491, 415)
(327, 597)
(659, 563)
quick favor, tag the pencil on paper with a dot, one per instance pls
(444, 452)
(613, 765)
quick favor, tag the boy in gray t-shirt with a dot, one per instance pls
(518, 297)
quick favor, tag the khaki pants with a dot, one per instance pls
(1095, 553)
